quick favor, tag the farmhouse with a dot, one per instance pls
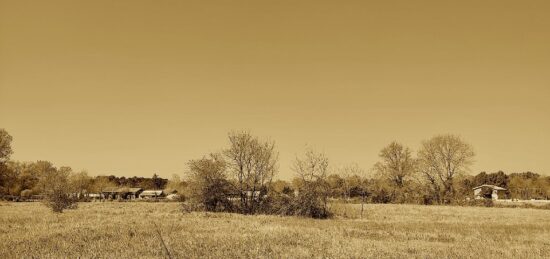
(152, 194)
(487, 191)
(122, 193)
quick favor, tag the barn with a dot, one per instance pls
(133, 193)
(488, 191)
(110, 193)
(121, 193)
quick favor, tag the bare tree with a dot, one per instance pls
(312, 171)
(253, 163)
(397, 164)
(441, 159)
(349, 174)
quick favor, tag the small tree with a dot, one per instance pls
(57, 190)
(209, 188)
(351, 175)
(58, 200)
(253, 164)
(312, 198)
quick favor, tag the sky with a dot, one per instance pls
(134, 87)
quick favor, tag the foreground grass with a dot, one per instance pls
(112, 229)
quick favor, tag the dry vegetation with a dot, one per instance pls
(127, 230)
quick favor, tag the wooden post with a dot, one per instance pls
(362, 202)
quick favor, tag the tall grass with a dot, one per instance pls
(159, 230)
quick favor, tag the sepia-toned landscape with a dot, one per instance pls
(274, 129)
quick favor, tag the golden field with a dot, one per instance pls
(129, 230)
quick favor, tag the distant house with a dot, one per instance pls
(110, 193)
(152, 194)
(133, 193)
(121, 193)
(487, 191)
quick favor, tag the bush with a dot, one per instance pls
(381, 196)
(209, 188)
(310, 205)
(306, 204)
(277, 204)
(58, 201)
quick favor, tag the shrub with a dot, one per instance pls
(313, 188)
(381, 196)
(209, 188)
(304, 205)
(310, 204)
(277, 204)
(58, 201)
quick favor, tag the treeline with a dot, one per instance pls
(242, 178)
(438, 173)
(33, 178)
(36, 178)
(523, 186)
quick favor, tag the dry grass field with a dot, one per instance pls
(129, 230)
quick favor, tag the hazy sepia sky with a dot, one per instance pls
(136, 87)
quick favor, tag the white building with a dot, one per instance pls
(483, 191)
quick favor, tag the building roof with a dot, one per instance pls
(110, 189)
(152, 192)
(134, 190)
(494, 187)
(121, 190)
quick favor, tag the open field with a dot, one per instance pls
(114, 229)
